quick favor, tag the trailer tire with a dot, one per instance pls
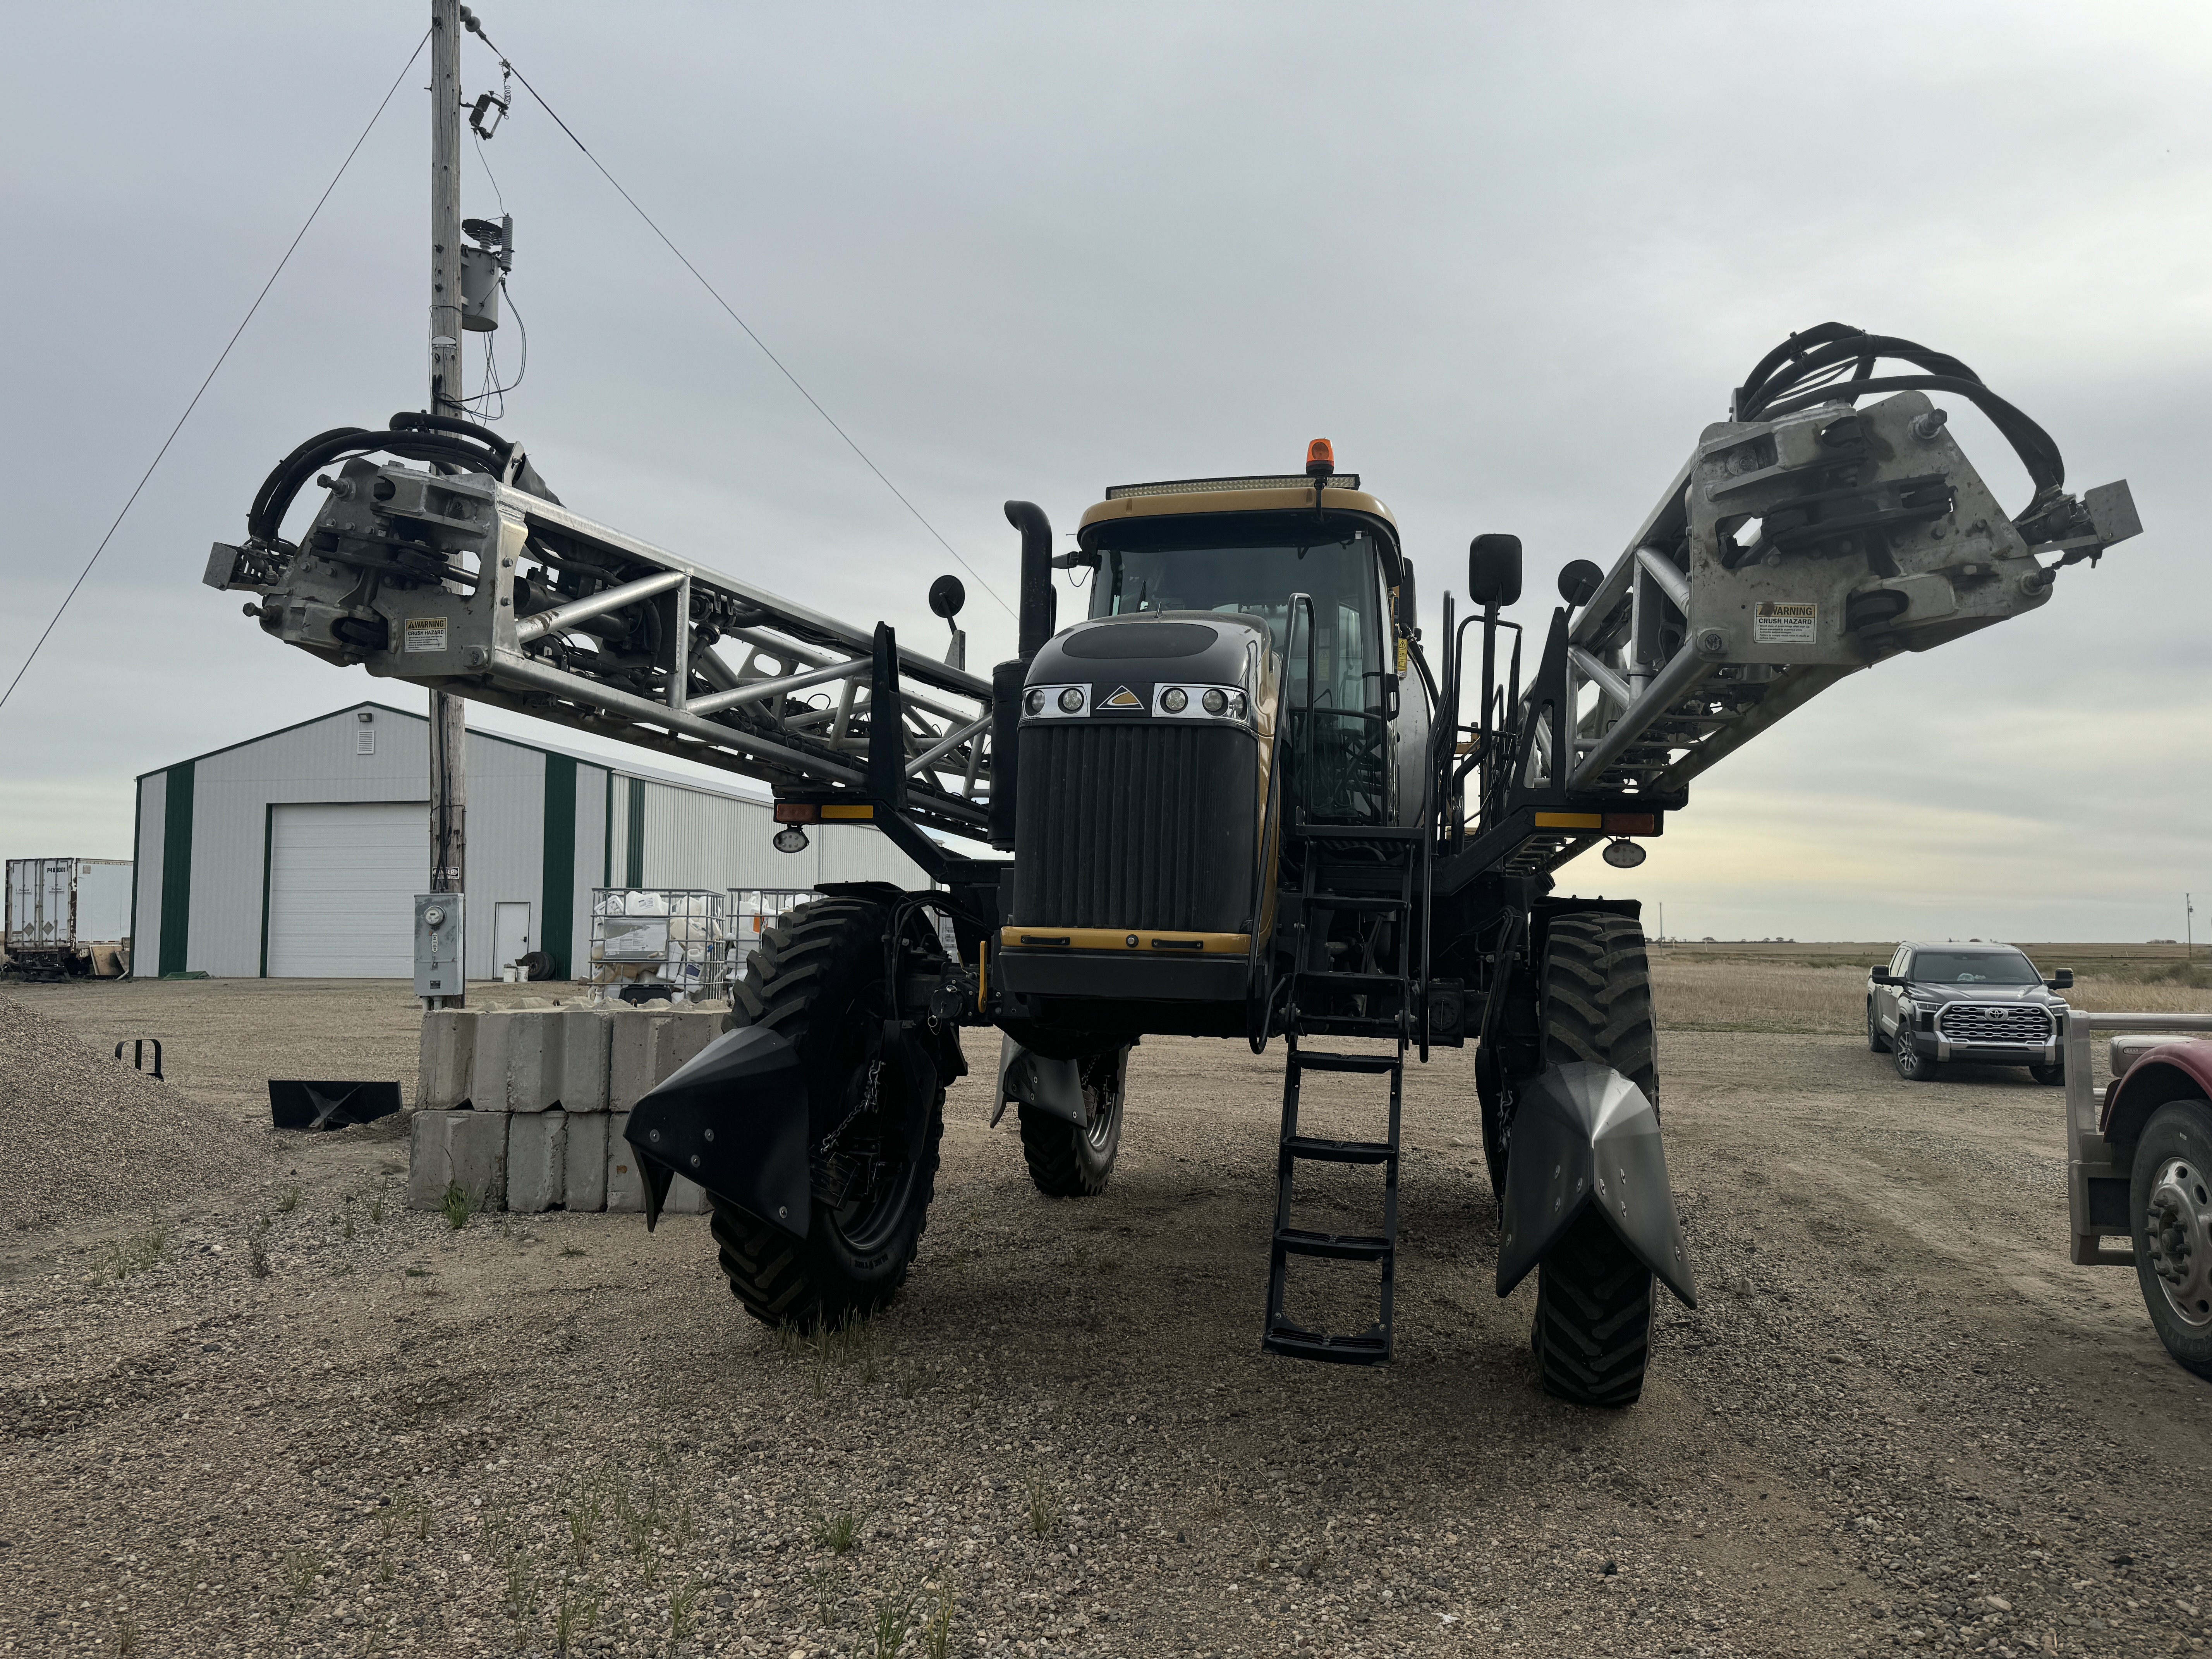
(817, 980)
(1875, 1041)
(1592, 1338)
(1067, 1160)
(2170, 1217)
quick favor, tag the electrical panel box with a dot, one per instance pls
(438, 937)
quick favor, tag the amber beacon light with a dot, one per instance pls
(1320, 458)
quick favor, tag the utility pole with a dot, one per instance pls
(2188, 927)
(449, 737)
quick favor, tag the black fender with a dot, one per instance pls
(733, 1118)
(1584, 1136)
(1028, 1078)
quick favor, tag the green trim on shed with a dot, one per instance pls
(634, 874)
(176, 868)
(607, 838)
(557, 917)
(267, 851)
(137, 867)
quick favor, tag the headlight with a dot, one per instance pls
(1071, 700)
(1215, 702)
(1033, 703)
(1175, 699)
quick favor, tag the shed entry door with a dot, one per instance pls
(343, 879)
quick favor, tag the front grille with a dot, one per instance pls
(1993, 1022)
(1134, 824)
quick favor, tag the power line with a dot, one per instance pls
(219, 363)
(716, 294)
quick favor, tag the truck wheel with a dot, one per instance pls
(1067, 1160)
(1593, 1332)
(817, 982)
(1875, 1040)
(2051, 1077)
(2170, 1205)
(1911, 1065)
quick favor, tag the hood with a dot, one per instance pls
(1936, 990)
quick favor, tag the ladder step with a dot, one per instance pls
(1295, 1341)
(1332, 1246)
(1312, 1060)
(1354, 901)
(1326, 978)
(1339, 1151)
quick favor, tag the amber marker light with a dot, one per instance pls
(1320, 458)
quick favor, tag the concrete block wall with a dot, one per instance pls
(526, 1108)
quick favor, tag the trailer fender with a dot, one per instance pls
(1584, 1135)
(733, 1118)
(1028, 1078)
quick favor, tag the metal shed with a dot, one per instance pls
(297, 854)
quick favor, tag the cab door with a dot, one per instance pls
(1889, 999)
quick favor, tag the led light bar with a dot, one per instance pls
(1202, 486)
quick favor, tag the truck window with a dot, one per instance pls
(1342, 576)
(1973, 968)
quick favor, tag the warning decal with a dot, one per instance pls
(428, 633)
(1779, 621)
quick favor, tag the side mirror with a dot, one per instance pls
(2061, 981)
(946, 595)
(1579, 582)
(1880, 977)
(1408, 615)
(1494, 570)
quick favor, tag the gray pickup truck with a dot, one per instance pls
(1976, 1003)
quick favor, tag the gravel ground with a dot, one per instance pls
(1898, 1417)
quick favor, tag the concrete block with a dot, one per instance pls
(537, 1161)
(584, 1033)
(685, 1198)
(587, 1161)
(687, 1033)
(630, 1058)
(536, 1046)
(625, 1183)
(488, 1089)
(469, 1147)
(449, 1059)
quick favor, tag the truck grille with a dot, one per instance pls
(1134, 824)
(1993, 1022)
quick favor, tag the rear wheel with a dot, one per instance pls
(1594, 1299)
(1067, 1160)
(2170, 1208)
(817, 982)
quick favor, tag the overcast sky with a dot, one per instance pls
(1510, 258)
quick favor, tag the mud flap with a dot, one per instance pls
(1028, 1078)
(1585, 1135)
(733, 1118)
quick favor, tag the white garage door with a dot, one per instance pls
(342, 885)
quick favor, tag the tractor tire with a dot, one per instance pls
(1875, 1041)
(1592, 1339)
(2170, 1215)
(816, 979)
(1067, 1160)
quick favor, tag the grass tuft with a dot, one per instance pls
(134, 1254)
(257, 1250)
(575, 1613)
(838, 1533)
(683, 1610)
(290, 1201)
(458, 1205)
(894, 1619)
(1044, 1507)
(937, 1635)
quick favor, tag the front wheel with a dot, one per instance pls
(2051, 1077)
(817, 980)
(2170, 1208)
(1911, 1065)
(1067, 1160)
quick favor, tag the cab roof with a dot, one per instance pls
(1178, 498)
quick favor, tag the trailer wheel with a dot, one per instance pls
(1067, 1160)
(1875, 1040)
(1592, 1338)
(2170, 1206)
(817, 980)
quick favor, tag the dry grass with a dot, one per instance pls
(1741, 996)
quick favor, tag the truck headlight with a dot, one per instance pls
(1175, 699)
(1033, 703)
(1215, 702)
(1071, 700)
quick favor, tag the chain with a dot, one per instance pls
(868, 1100)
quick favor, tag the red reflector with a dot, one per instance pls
(797, 811)
(1631, 823)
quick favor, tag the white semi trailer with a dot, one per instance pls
(68, 917)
